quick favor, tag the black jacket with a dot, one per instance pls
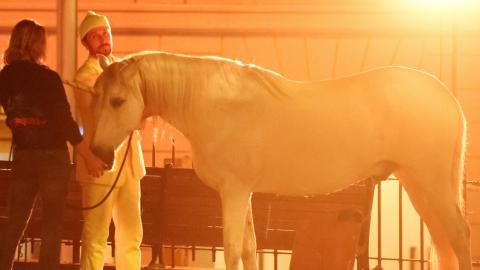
(37, 109)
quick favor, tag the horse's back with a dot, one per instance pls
(360, 126)
(391, 97)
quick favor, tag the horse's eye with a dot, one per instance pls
(116, 102)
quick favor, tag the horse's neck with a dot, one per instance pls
(168, 91)
(180, 88)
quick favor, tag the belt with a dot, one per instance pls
(26, 121)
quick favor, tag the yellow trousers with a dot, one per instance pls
(123, 205)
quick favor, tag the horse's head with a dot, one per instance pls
(118, 106)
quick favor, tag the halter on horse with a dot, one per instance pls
(252, 130)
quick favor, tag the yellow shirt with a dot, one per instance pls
(134, 165)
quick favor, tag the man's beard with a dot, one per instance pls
(104, 49)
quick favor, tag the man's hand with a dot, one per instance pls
(95, 166)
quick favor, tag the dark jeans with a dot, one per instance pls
(43, 173)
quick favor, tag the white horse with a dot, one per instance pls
(252, 130)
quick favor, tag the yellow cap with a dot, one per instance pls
(91, 21)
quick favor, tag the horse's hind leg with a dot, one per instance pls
(249, 251)
(457, 232)
(434, 197)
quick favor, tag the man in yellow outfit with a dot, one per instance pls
(123, 204)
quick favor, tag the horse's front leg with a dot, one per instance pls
(235, 206)
(249, 252)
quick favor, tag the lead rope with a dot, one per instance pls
(111, 188)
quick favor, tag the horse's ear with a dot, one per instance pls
(104, 61)
(129, 68)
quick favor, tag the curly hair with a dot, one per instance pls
(27, 42)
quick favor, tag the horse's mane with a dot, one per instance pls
(268, 80)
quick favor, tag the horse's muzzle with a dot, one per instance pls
(106, 155)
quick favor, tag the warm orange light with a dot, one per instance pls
(442, 4)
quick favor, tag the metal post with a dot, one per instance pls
(76, 251)
(153, 155)
(412, 255)
(422, 246)
(67, 41)
(173, 152)
(275, 259)
(193, 253)
(173, 256)
(214, 254)
(379, 224)
(66, 34)
(400, 226)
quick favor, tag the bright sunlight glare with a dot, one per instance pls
(443, 4)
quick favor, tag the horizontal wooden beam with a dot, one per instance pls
(144, 18)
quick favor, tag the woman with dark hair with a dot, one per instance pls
(39, 116)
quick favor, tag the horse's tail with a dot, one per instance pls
(461, 247)
(459, 161)
(458, 155)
